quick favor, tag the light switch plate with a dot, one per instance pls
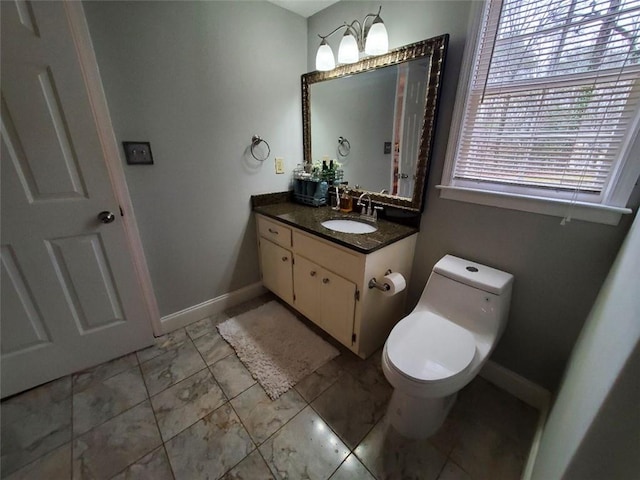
(279, 165)
(138, 153)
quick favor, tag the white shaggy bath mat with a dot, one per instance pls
(276, 347)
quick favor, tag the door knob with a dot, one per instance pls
(106, 217)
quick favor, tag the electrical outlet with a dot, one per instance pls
(325, 158)
(279, 165)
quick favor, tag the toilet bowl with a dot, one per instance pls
(441, 345)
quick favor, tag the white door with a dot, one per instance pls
(415, 96)
(70, 295)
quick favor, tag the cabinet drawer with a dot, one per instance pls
(349, 265)
(276, 232)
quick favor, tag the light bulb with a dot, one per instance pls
(348, 50)
(324, 58)
(377, 41)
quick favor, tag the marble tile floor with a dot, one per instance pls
(186, 408)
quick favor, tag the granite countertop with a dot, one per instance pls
(309, 218)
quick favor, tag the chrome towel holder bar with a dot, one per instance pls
(255, 141)
(344, 147)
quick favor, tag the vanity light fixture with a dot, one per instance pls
(358, 37)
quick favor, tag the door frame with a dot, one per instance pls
(111, 152)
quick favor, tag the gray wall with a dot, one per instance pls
(197, 80)
(593, 428)
(558, 270)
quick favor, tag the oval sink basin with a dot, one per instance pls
(348, 226)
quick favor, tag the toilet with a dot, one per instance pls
(441, 345)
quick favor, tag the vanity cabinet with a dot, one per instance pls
(328, 282)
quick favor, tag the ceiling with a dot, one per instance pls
(304, 8)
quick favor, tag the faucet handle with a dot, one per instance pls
(376, 208)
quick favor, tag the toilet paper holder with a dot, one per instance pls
(373, 283)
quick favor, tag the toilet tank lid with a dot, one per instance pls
(474, 274)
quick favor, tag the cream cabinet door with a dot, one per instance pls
(338, 305)
(306, 275)
(276, 263)
(327, 299)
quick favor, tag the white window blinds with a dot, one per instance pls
(553, 96)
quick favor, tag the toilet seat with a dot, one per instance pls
(426, 347)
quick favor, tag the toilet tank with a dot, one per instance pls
(472, 295)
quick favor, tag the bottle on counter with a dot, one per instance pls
(346, 202)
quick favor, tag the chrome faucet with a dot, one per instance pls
(365, 212)
(370, 213)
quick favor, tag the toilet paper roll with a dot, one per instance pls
(396, 282)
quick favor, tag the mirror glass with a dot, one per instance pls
(376, 118)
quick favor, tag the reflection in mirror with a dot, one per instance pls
(385, 106)
(394, 119)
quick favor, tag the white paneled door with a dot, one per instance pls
(415, 96)
(70, 294)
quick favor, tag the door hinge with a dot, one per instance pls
(293, 260)
(353, 338)
(357, 295)
(121, 212)
(294, 297)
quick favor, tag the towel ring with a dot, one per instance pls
(255, 141)
(344, 147)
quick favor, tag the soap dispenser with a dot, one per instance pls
(346, 202)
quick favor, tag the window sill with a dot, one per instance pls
(588, 212)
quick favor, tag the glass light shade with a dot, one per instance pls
(324, 58)
(348, 50)
(377, 41)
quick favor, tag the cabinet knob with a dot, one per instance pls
(312, 273)
(273, 231)
(284, 259)
(325, 280)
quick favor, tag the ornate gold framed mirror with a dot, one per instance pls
(385, 108)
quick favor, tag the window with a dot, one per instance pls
(549, 121)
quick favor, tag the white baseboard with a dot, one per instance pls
(210, 307)
(518, 386)
(531, 394)
(535, 444)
